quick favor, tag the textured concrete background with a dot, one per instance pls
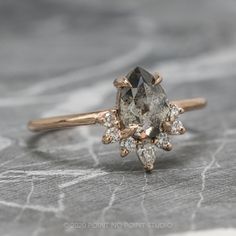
(61, 56)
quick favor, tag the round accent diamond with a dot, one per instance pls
(163, 140)
(109, 119)
(129, 144)
(174, 112)
(114, 133)
(176, 127)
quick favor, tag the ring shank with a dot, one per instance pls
(68, 121)
(191, 104)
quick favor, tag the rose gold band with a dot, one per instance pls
(68, 121)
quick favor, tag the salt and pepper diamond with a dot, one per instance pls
(142, 103)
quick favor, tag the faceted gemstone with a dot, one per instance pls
(109, 119)
(114, 133)
(147, 153)
(163, 139)
(176, 127)
(128, 143)
(144, 104)
(174, 112)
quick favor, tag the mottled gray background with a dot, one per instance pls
(61, 56)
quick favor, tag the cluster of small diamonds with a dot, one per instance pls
(129, 144)
(177, 125)
(145, 148)
(147, 152)
(112, 131)
(145, 117)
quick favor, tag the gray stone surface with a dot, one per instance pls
(61, 56)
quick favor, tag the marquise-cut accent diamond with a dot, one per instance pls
(176, 127)
(147, 154)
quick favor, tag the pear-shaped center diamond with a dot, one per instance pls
(144, 104)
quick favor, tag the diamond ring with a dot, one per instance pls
(142, 120)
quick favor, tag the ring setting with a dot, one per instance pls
(142, 120)
(145, 117)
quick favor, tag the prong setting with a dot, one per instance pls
(122, 82)
(149, 167)
(157, 78)
(136, 134)
(142, 120)
(106, 139)
(167, 146)
(124, 152)
(181, 110)
(182, 130)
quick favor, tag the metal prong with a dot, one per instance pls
(149, 167)
(182, 130)
(143, 136)
(166, 126)
(140, 135)
(124, 152)
(155, 141)
(126, 133)
(106, 139)
(116, 123)
(167, 147)
(157, 78)
(122, 82)
(181, 110)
